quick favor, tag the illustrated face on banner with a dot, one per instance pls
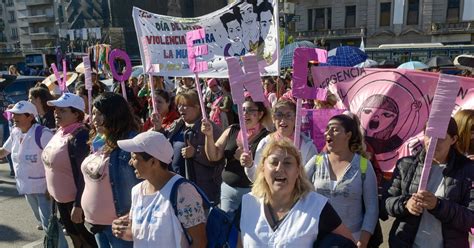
(379, 116)
(266, 21)
(234, 30)
(249, 17)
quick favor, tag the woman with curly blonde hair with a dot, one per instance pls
(346, 177)
(465, 121)
(282, 208)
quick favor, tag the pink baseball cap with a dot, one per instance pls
(151, 142)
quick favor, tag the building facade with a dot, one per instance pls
(331, 23)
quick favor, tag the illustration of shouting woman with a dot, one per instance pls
(379, 116)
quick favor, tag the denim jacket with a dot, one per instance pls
(122, 179)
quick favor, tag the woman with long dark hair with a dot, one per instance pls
(345, 176)
(108, 177)
(39, 96)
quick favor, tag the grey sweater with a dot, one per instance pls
(350, 194)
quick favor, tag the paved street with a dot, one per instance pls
(17, 225)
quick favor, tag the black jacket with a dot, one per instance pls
(455, 210)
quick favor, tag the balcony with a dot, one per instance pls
(41, 18)
(330, 34)
(452, 28)
(38, 2)
(43, 36)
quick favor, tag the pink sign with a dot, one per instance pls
(194, 66)
(61, 80)
(250, 80)
(117, 53)
(196, 51)
(393, 105)
(88, 82)
(440, 114)
(314, 122)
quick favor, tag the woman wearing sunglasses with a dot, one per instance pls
(229, 146)
(284, 116)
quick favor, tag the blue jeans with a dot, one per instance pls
(105, 239)
(41, 207)
(231, 198)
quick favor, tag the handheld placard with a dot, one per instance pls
(117, 53)
(250, 80)
(197, 66)
(88, 82)
(150, 69)
(438, 121)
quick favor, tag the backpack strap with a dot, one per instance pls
(38, 133)
(363, 163)
(174, 202)
(363, 167)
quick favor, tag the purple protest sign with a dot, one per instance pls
(88, 82)
(61, 80)
(438, 121)
(196, 51)
(301, 58)
(252, 83)
(117, 53)
(194, 66)
(314, 122)
(150, 69)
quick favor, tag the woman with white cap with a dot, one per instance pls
(151, 154)
(62, 158)
(26, 144)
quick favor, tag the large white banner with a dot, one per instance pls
(248, 26)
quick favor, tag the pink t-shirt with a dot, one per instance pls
(97, 199)
(59, 177)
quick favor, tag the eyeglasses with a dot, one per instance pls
(249, 110)
(280, 116)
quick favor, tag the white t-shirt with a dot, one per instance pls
(26, 159)
(154, 222)
(299, 228)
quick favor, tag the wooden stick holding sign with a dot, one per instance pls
(150, 69)
(61, 80)
(88, 83)
(301, 90)
(117, 53)
(250, 80)
(440, 114)
(197, 66)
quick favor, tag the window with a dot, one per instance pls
(60, 14)
(385, 11)
(452, 13)
(14, 34)
(413, 9)
(11, 16)
(350, 16)
(9, 3)
(329, 19)
(320, 18)
(310, 19)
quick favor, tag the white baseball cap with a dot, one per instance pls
(151, 142)
(23, 107)
(68, 100)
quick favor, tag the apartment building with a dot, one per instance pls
(343, 22)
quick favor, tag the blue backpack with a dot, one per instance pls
(221, 230)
